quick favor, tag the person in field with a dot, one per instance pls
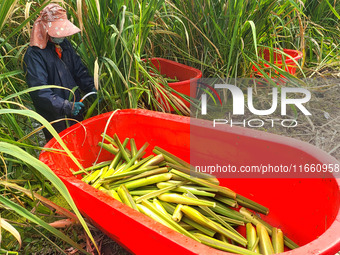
(51, 60)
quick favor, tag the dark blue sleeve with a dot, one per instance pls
(37, 75)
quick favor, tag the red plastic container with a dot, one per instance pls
(307, 210)
(287, 64)
(185, 75)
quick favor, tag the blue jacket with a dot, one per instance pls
(44, 67)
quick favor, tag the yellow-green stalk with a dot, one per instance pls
(246, 202)
(126, 197)
(217, 244)
(170, 157)
(227, 201)
(222, 190)
(170, 209)
(95, 167)
(277, 240)
(216, 217)
(174, 224)
(154, 161)
(185, 189)
(201, 219)
(143, 209)
(156, 193)
(180, 199)
(255, 220)
(111, 193)
(265, 244)
(177, 215)
(159, 206)
(147, 181)
(144, 174)
(251, 237)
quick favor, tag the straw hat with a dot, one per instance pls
(52, 22)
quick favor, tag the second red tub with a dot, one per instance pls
(186, 76)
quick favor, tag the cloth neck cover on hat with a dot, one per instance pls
(51, 22)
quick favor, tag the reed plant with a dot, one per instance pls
(221, 38)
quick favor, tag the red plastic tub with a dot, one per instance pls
(185, 75)
(307, 210)
(287, 64)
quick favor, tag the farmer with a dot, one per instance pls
(51, 60)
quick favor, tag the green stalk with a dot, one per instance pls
(121, 165)
(222, 190)
(98, 180)
(143, 174)
(156, 193)
(174, 224)
(143, 209)
(251, 237)
(121, 148)
(217, 244)
(185, 189)
(246, 202)
(127, 174)
(92, 176)
(175, 159)
(133, 147)
(170, 209)
(216, 217)
(222, 238)
(201, 219)
(111, 193)
(139, 164)
(95, 167)
(186, 226)
(179, 199)
(135, 157)
(207, 177)
(109, 139)
(256, 220)
(227, 201)
(226, 211)
(177, 215)
(154, 161)
(159, 206)
(256, 245)
(208, 189)
(277, 241)
(108, 147)
(115, 162)
(147, 181)
(142, 192)
(126, 197)
(266, 247)
(232, 221)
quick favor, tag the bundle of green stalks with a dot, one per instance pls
(165, 188)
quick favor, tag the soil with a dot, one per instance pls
(322, 128)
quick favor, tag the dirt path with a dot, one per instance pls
(322, 128)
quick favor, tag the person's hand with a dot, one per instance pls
(77, 107)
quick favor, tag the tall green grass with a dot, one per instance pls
(222, 38)
(18, 157)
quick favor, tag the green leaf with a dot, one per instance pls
(31, 217)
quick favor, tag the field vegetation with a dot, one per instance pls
(221, 38)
